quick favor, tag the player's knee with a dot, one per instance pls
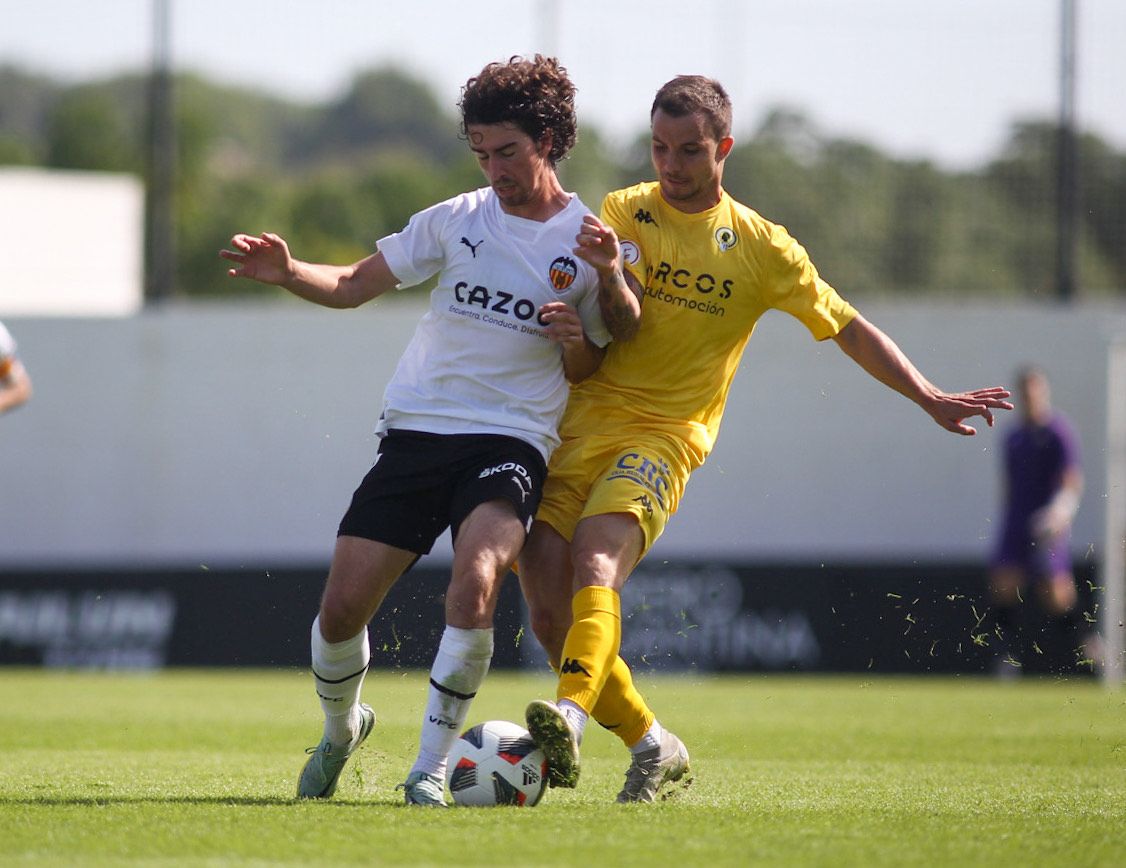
(340, 620)
(471, 599)
(1004, 588)
(1060, 595)
(604, 550)
(550, 630)
(593, 565)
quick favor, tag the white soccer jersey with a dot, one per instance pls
(480, 361)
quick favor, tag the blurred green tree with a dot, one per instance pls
(384, 109)
(25, 102)
(336, 176)
(89, 129)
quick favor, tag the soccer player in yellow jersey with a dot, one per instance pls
(704, 268)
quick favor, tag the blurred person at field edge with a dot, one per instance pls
(15, 382)
(1043, 483)
(471, 413)
(706, 269)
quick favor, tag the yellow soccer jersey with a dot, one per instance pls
(708, 277)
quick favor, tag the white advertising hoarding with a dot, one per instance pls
(71, 243)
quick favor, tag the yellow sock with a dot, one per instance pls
(621, 708)
(591, 646)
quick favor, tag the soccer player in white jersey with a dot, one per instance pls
(15, 382)
(469, 417)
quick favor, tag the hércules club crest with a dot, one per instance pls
(563, 272)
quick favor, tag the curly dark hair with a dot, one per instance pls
(536, 95)
(688, 94)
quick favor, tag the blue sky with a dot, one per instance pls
(918, 78)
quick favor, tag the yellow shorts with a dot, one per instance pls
(595, 475)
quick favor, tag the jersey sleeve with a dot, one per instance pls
(615, 214)
(417, 253)
(1070, 457)
(591, 315)
(7, 352)
(793, 285)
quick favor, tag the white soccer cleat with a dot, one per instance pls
(652, 769)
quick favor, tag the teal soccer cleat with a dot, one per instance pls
(326, 762)
(423, 789)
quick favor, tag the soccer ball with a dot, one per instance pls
(496, 763)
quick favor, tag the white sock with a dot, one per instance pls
(459, 669)
(338, 672)
(651, 739)
(576, 717)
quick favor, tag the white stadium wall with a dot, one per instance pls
(233, 436)
(71, 243)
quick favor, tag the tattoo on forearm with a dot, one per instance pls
(619, 311)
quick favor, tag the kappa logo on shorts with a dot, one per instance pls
(651, 475)
(646, 504)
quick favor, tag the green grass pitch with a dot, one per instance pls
(199, 768)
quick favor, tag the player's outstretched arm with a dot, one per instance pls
(619, 294)
(879, 355)
(266, 258)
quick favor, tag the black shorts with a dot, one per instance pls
(422, 483)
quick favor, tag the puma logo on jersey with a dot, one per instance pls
(472, 247)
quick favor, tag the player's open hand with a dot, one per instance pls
(262, 257)
(598, 245)
(951, 410)
(563, 324)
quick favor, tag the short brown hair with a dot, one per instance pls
(688, 94)
(536, 95)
